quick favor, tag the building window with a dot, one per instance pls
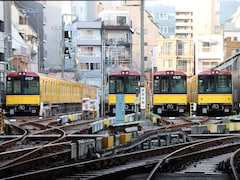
(86, 34)
(86, 51)
(236, 50)
(167, 48)
(94, 66)
(183, 48)
(171, 30)
(121, 20)
(163, 16)
(1, 56)
(1, 26)
(171, 16)
(167, 63)
(89, 66)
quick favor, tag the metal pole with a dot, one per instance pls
(63, 47)
(142, 54)
(8, 31)
(102, 84)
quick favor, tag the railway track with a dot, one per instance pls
(53, 158)
(213, 151)
(103, 167)
(151, 164)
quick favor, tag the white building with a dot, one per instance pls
(208, 52)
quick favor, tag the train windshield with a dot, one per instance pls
(215, 84)
(22, 85)
(123, 84)
(169, 84)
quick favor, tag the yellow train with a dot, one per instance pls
(123, 82)
(169, 93)
(211, 91)
(37, 94)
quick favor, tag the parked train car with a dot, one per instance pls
(39, 94)
(123, 82)
(169, 93)
(211, 90)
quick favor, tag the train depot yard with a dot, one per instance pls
(177, 127)
(154, 148)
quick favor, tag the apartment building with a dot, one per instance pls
(117, 39)
(232, 46)
(176, 54)
(86, 51)
(208, 51)
(184, 24)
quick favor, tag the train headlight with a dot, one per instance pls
(21, 107)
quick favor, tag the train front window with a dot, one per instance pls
(215, 84)
(224, 84)
(31, 85)
(116, 85)
(178, 84)
(206, 84)
(123, 84)
(131, 83)
(13, 86)
(169, 84)
(22, 85)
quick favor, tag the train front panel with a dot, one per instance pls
(22, 93)
(169, 93)
(214, 93)
(126, 83)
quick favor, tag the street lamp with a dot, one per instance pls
(63, 41)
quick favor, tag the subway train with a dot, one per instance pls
(211, 91)
(124, 82)
(169, 94)
(41, 95)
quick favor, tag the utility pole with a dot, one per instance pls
(142, 89)
(7, 36)
(7, 31)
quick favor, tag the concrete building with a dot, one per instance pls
(232, 45)
(53, 29)
(34, 10)
(176, 54)
(86, 51)
(85, 10)
(151, 34)
(117, 40)
(184, 24)
(164, 17)
(208, 52)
